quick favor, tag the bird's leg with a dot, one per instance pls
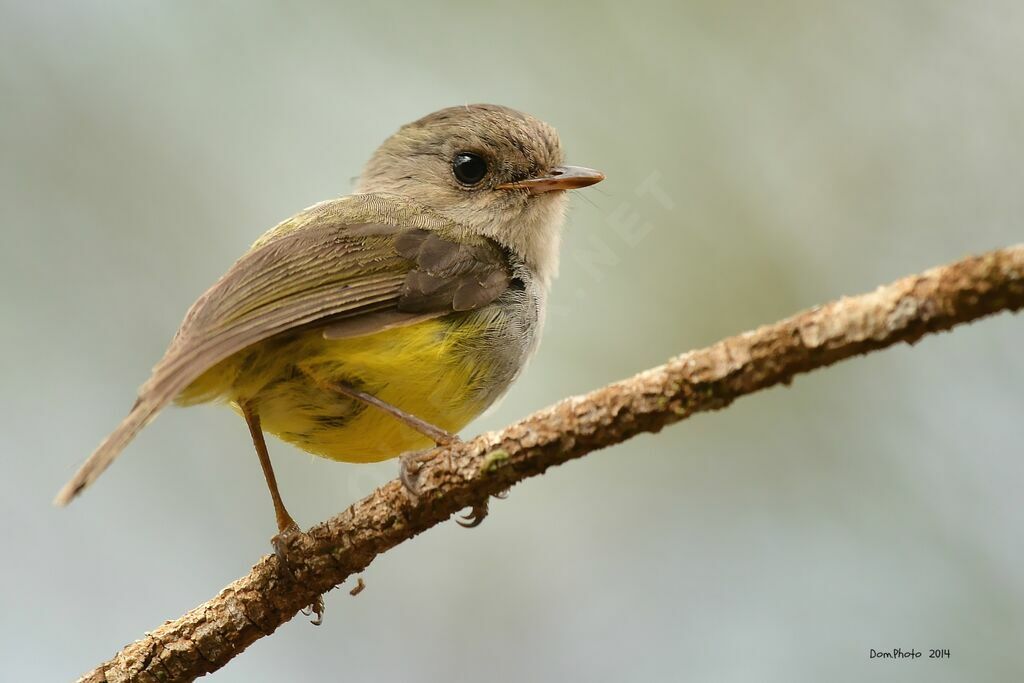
(287, 529)
(433, 432)
(410, 462)
(285, 523)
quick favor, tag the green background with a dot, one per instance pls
(806, 151)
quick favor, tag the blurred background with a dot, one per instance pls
(801, 152)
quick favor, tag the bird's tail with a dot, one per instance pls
(141, 414)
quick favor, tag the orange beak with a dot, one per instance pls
(561, 178)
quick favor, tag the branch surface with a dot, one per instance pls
(207, 637)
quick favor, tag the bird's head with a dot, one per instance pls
(493, 170)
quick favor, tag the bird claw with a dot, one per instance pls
(317, 608)
(475, 516)
(478, 512)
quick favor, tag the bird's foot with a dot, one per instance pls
(475, 516)
(316, 607)
(411, 463)
(478, 512)
(284, 544)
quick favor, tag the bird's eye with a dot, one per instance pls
(469, 168)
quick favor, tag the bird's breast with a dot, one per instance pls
(445, 371)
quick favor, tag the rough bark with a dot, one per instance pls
(207, 637)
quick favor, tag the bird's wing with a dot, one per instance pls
(352, 266)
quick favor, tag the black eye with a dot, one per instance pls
(469, 168)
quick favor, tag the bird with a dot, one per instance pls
(380, 323)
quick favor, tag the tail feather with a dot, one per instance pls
(141, 414)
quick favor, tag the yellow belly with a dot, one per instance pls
(429, 369)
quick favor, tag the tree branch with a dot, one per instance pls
(207, 637)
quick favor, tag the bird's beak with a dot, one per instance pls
(560, 178)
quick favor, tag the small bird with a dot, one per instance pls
(380, 323)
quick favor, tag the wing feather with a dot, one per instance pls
(353, 272)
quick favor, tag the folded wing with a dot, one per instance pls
(327, 267)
